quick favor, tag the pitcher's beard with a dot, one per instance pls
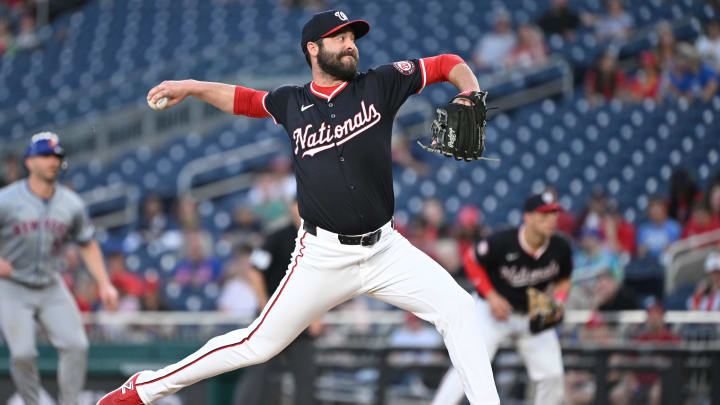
(334, 65)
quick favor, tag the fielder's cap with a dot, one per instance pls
(712, 263)
(45, 144)
(543, 202)
(328, 22)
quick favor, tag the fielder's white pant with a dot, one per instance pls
(324, 273)
(541, 354)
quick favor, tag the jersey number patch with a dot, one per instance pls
(405, 67)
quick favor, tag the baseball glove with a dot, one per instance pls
(542, 310)
(459, 130)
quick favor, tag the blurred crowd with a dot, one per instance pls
(507, 48)
(18, 29)
(672, 70)
(196, 267)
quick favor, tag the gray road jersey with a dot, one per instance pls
(33, 231)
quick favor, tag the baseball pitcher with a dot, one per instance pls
(340, 126)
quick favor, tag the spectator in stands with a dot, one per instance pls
(130, 286)
(646, 82)
(580, 385)
(609, 294)
(6, 37)
(594, 258)
(198, 267)
(590, 262)
(605, 80)
(154, 222)
(243, 289)
(560, 20)
(446, 253)
(12, 170)
(592, 216)
(416, 334)
(469, 228)
(654, 236)
(430, 226)
(709, 44)
(707, 293)
(616, 24)
(619, 234)
(244, 229)
(692, 78)
(154, 227)
(712, 199)
(152, 300)
(76, 279)
(645, 388)
(491, 51)
(566, 220)
(27, 37)
(273, 191)
(701, 221)
(529, 50)
(666, 52)
(187, 214)
(684, 192)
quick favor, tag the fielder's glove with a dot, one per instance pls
(459, 130)
(543, 311)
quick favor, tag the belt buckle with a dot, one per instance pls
(370, 239)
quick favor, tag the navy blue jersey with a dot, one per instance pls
(511, 269)
(341, 145)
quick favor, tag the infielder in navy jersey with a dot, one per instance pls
(38, 217)
(340, 127)
(502, 267)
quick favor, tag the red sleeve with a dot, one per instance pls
(250, 102)
(437, 68)
(477, 274)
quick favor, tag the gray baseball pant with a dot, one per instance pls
(55, 310)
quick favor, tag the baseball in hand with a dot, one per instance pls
(160, 105)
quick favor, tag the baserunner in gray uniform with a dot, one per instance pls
(37, 218)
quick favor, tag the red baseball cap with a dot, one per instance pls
(543, 202)
(330, 21)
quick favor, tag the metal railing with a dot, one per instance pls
(685, 252)
(126, 214)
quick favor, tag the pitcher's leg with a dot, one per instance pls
(450, 391)
(60, 317)
(405, 277)
(304, 294)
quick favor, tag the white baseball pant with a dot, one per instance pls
(324, 273)
(541, 354)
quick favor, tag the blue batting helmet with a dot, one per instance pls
(45, 144)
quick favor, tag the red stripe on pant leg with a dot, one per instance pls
(300, 253)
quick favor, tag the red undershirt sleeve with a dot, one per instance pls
(249, 102)
(477, 274)
(437, 68)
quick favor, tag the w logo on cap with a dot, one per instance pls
(341, 15)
